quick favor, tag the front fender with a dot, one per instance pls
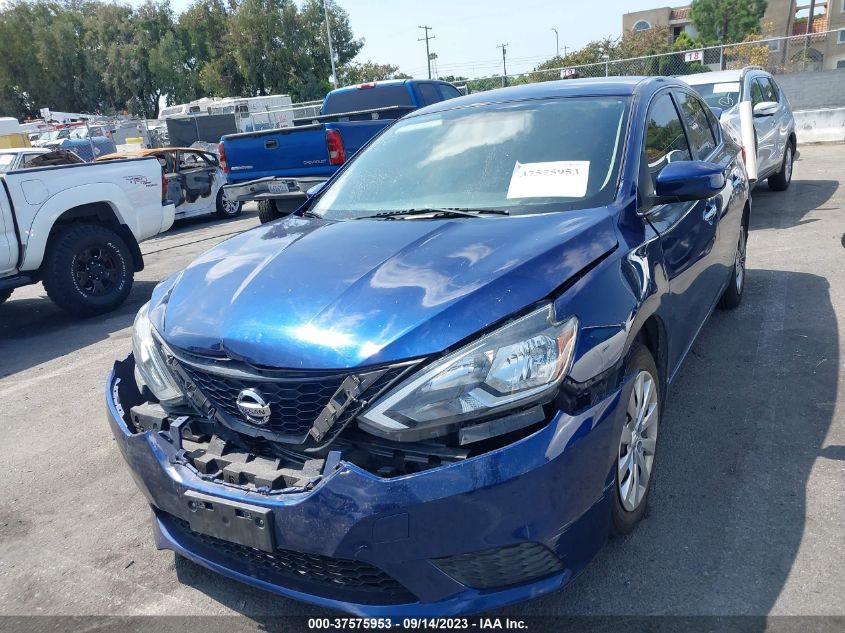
(45, 218)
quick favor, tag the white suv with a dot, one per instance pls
(774, 126)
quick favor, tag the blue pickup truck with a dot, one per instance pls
(277, 167)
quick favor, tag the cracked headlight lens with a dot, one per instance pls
(520, 363)
(149, 362)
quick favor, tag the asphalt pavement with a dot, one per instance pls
(747, 514)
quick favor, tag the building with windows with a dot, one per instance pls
(783, 18)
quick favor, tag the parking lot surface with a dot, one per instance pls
(747, 514)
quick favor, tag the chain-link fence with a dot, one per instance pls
(778, 55)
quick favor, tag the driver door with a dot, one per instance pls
(688, 230)
(197, 175)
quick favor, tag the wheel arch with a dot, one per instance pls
(101, 213)
(653, 336)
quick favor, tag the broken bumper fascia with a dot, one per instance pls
(552, 487)
(272, 188)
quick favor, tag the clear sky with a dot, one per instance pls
(468, 31)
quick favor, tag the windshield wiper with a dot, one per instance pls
(436, 212)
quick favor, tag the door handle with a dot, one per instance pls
(273, 144)
(710, 211)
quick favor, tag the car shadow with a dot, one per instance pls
(745, 422)
(802, 197)
(46, 332)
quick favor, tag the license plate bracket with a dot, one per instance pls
(278, 187)
(233, 521)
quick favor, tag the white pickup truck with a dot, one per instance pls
(76, 228)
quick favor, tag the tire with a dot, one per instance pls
(87, 270)
(227, 208)
(732, 296)
(269, 210)
(780, 181)
(635, 455)
(5, 294)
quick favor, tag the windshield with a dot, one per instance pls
(719, 95)
(525, 157)
(6, 161)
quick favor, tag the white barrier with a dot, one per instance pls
(825, 125)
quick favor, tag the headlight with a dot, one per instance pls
(521, 363)
(149, 363)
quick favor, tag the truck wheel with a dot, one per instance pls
(87, 269)
(5, 294)
(269, 210)
(227, 208)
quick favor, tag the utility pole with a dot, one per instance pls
(557, 42)
(331, 48)
(427, 52)
(809, 30)
(504, 48)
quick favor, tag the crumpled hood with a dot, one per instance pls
(314, 294)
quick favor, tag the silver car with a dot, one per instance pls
(774, 125)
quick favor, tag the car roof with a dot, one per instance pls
(594, 87)
(387, 82)
(18, 150)
(719, 76)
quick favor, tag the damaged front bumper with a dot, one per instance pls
(504, 526)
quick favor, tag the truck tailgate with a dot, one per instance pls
(299, 151)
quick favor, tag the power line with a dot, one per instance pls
(427, 52)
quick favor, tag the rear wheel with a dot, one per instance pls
(634, 464)
(5, 294)
(87, 269)
(227, 208)
(732, 296)
(269, 210)
(780, 181)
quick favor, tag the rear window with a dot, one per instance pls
(367, 99)
(722, 95)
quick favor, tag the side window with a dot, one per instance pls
(769, 92)
(429, 93)
(756, 92)
(447, 92)
(665, 141)
(701, 136)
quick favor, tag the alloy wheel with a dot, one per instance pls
(230, 207)
(639, 439)
(96, 271)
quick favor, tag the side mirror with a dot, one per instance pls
(313, 191)
(688, 180)
(765, 108)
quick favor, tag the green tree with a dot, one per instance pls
(727, 20)
(358, 72)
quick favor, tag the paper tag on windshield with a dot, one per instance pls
(558, 179)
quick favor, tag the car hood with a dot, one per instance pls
(315, 294)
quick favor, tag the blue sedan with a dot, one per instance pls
(438, 387)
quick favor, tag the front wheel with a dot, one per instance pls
(732, 296)
(226, 207)
(634, 464)
(780, 181)
(87, 269)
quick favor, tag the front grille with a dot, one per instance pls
(295, 404)
(501, 566)
(296, 399)
(337, 578)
